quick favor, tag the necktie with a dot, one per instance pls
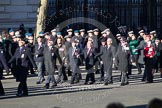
(20, 50)
(39, 46)
(73, 51)
(50, 48)
(88, 50)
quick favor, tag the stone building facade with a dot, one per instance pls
(15, 12)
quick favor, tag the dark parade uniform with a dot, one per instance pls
(73, 58)
(22, 57)
(107, 55)
(68, 45)
(157, 57)
(100, 57)
(122, 57)
(96, 45)
(89, 56)
(50, 55)
(39, 60)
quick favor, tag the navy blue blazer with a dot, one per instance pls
(90, 57)
(23, 57)
(38, 53)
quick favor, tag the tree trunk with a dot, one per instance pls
(41, 16)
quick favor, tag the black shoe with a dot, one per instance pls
(43, 80)
(65, 78)
(38, 82)
(143, 80)
(161, 75)
(54, 85)
(97, 72)
(122, 84)
(46, 86)
(2, 94)
(80, 76)
(149, 81)
(72, 82)
(87, 79)
(86, 83)
(126, 83)
(129, 73)
(92, 76)
(69, 73)
(25, 94)
(106, 83)
(139, 72)
(20, 95)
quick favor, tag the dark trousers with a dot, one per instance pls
(96, 66)
(22, 78)
(61, 74)
(90, 74)
(75, 73)
(156, 63)
(90, 77)
(13, 69)
(69, 72)
(102, 73)
(124, 77)
(74, 77)
(148, 69)
(108, 75)
(144, 75)
(1, 89)
(137, 64)
(129, 67)
(22, 88)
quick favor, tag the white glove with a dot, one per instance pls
(126, 48)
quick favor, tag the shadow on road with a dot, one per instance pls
(39, 91)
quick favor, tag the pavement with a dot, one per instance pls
(135, 95)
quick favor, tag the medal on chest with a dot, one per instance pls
(23, 54)
(52, 52)
(1, 52)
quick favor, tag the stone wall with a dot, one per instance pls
(15, 12)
